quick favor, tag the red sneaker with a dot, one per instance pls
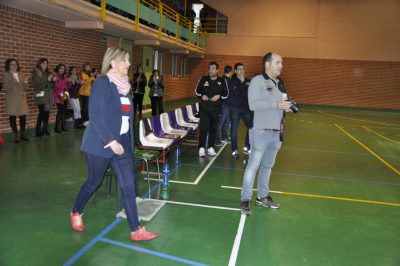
(76, 221)
(142, 235)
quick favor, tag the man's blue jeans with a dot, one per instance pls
(265, 144)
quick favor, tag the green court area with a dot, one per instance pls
(337, 178)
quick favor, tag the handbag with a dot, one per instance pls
(63, 96)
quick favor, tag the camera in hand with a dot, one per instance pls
(293, 105)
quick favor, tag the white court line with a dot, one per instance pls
(272, 191)
(362, 120)
(209, 164)
(236, 244)
(238, 238)
(201, 174)
(198, 205)
(173, 181)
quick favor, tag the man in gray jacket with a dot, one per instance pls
(267, 101)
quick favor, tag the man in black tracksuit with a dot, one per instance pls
(239, 108)
(211, 89)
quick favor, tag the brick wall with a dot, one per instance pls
(371, 84)
(28, 37)
(137, 57)
(182, 87)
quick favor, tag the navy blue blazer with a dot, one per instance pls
(105, 115)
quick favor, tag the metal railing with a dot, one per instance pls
(155, 14)
(214, 26)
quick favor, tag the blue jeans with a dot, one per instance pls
(237, 114)
(223, 123)
(123, 169)
(264, 147)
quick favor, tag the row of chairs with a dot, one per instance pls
(163, 131)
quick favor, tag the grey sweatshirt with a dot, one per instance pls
(263, 100)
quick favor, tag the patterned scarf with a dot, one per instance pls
(122, 82)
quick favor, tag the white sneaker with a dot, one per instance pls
(202, 152)
(211, 151)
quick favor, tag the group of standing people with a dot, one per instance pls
(223, 101)
(60, 87)
(260, 103)
(156, 93)
(50, 88)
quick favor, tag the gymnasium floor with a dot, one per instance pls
(337, 178)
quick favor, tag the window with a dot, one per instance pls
(174, 65)
(183, 66)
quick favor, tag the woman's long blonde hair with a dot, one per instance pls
(113, 53)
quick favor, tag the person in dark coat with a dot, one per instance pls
(138, 82)
(108, 140)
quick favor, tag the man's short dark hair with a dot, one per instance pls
(213, 63)
(238, 65)
(227, 69)
(267, 58)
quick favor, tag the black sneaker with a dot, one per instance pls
(245, 207)
(267, 202)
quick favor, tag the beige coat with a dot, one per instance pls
(16, 103)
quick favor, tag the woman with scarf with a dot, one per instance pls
(43, 82)
(108, 140)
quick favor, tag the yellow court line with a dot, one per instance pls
(340, 198)
(324, 197)
(355, 125)
(382, 127)
(368, 149)
(380, 135)
(356, 119)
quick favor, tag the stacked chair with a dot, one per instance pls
(166, 131)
